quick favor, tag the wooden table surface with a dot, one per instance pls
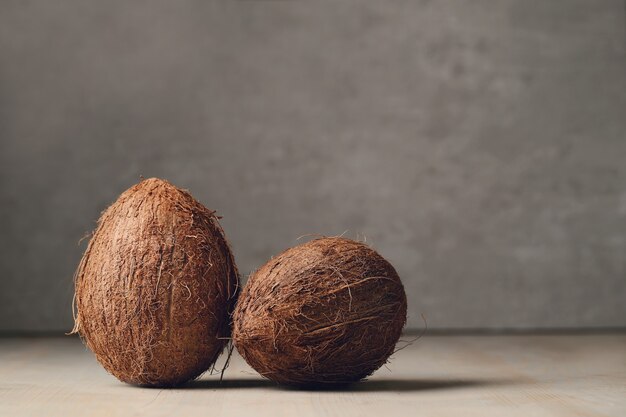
(556, 375)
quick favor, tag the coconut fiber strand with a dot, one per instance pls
(155, 287)
(329, 311)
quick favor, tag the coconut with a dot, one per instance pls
(156, 286)
(329, 311)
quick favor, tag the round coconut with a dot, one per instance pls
(156, 286)
(329, 311)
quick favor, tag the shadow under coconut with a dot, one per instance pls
(404, 385)
(389, 385)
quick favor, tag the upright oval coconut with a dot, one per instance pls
(329, 311)
(156, 286)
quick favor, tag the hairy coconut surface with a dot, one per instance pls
(329, 311)
(156, 286)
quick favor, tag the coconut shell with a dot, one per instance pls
(156, 287)
(329, 311)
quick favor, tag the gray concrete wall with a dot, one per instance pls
(480, 146)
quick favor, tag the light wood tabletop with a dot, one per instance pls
(516, 375)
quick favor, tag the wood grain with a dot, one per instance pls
(564, 375)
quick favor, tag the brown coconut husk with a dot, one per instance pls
(156, 287)
(329, 311)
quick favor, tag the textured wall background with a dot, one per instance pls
(480, 146)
